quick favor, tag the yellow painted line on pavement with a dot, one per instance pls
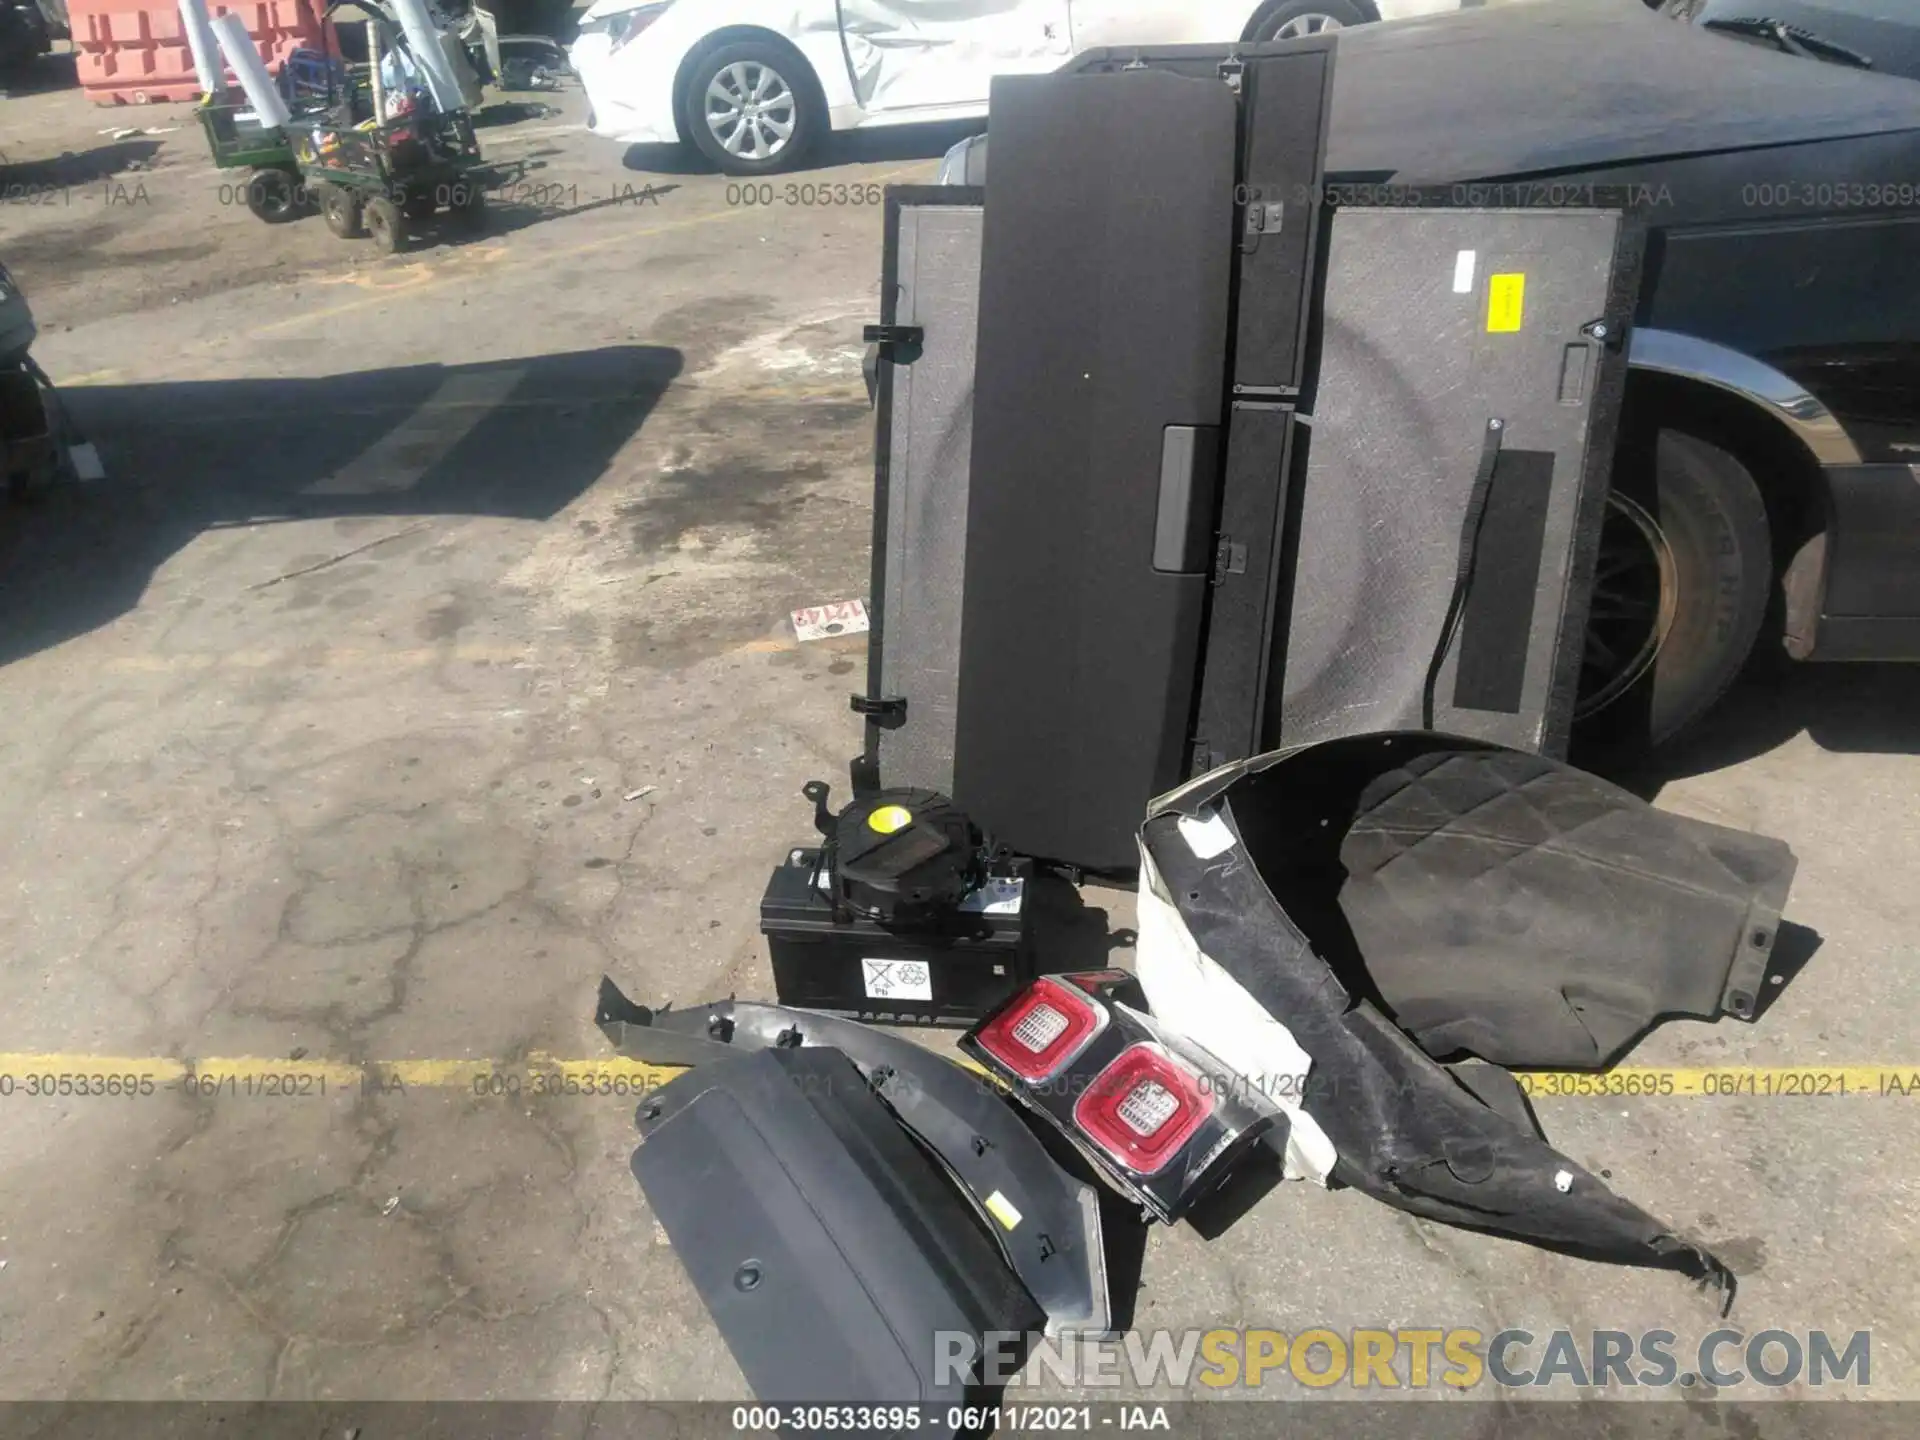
(1781, 1082)
(60, 1075)
(53, 1075)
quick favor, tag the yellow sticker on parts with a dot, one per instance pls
(890, 819)
(1002, 1210)
(1506, 300)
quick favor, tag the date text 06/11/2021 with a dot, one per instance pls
(979, 1419)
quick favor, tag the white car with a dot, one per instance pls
(754, 83)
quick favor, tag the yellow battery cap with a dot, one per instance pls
(889, 819)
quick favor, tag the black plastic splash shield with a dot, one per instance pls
(1507, 906)
(830, 1250)
(1404, 1130)
(1046, 1222)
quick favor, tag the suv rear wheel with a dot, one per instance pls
(1680, 589)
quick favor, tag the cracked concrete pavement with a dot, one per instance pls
(424, 656)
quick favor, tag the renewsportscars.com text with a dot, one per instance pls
(1414, 1359)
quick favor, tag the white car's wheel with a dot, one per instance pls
(752, 108)
(1309, 17)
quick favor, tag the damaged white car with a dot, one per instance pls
(754, 83)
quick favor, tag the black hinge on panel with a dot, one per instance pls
(1231, 70)
(1265, 217)
(1229, 558)
(887, 711)
(898, 344)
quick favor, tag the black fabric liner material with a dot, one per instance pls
(1497, 619)
(1491, 902)
(1283, 143)
(1104, 312)
(1261, 448)
(1513, 908)
(1605, 392)
(826, 1244)
(1507, 906)
(865, 767)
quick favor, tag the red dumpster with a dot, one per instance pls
(130, 52)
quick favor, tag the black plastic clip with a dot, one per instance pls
(887, 711)
(898, 344)
(818, 792)
(1229, 558)
(1610, 333)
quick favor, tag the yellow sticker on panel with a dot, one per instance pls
(1506, 299)
(1002, 1210)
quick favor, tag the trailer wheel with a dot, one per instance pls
(384, 224)
(274, 195)
(340, 208)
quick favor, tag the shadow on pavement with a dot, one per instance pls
(36, 77)
(892, 143)
(1864, 709)
(518, 439)
(84, 167)
(511, 112)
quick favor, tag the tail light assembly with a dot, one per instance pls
(1161, 1118)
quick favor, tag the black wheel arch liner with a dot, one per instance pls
(1405, 1131)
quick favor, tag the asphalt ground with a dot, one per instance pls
(426, 654)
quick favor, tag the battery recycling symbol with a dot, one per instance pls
(908, 977)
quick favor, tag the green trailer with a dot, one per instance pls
(240, 142)
(376, 178)
(366, 177)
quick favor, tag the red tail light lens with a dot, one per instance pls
(1038, 1034)
(1143, 1107)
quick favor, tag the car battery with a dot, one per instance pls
(953, 971)
(946, 946)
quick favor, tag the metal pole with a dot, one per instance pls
(379, 89)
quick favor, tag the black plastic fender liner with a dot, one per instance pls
(832, 1252)
(1404, 1130)
(1503, 905)
(1520, 910)
(1046, 1222)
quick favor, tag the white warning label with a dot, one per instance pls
(898, 980)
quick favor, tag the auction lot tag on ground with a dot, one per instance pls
(820, 622)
